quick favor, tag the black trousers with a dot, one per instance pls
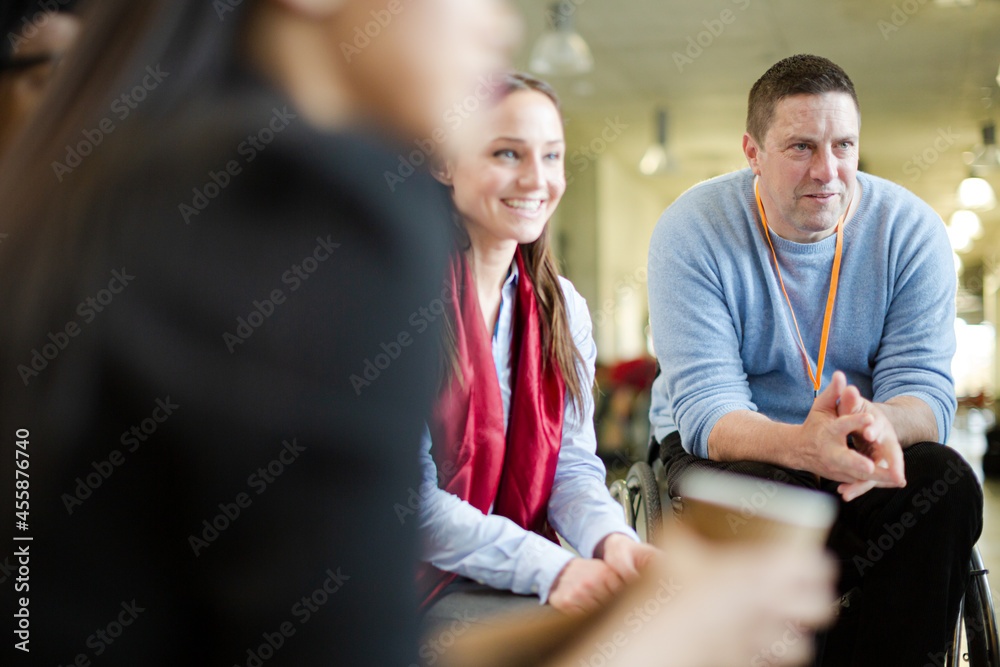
(906, 551)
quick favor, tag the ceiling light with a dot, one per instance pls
(963, 228)
(986, 158)
(657, 158)
(968, 223)
(976, 194)
(959, 242)
(561, 50)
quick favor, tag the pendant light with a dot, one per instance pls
(657, 159)
(561, 51)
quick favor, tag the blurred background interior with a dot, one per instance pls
(655, 99)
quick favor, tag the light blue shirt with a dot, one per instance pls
(493, 549)
(725, 338)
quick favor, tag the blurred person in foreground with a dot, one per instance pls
(803, 315)
(35, 35)
(184, 305)
(186, 302)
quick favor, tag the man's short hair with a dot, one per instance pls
(802, 74)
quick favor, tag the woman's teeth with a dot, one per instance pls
(525, 204)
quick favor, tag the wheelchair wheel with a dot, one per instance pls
(619, 491)
(645, 492)
(976, 639)
(982, 649)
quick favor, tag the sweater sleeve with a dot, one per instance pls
(918, 341)
(695, 330)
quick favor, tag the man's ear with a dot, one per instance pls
(752, 152)
(314, 9)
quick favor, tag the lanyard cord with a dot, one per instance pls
(817, 379)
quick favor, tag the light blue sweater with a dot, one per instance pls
(721, 326)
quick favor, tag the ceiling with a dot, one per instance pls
(925, 72)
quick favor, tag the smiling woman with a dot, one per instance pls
(509, 457)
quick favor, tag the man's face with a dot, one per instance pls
(807, 164)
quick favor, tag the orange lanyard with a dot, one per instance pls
(817, 379)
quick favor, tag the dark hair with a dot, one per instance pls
(511, 82)
(801, 74)
(540, 264)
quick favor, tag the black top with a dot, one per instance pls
(211, 373)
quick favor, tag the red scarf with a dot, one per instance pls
(476, 460)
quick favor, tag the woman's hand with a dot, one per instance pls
(624, 555)
(584, 584)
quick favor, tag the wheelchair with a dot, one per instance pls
(975, 642)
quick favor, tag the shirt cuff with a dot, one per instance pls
(542, 563)
(600, 529)
(699, 446)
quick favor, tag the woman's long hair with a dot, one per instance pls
(45, 240)
(540, 262)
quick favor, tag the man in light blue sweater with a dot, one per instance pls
(803, 316)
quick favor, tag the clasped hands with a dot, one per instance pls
(586, 583)
(838, 412)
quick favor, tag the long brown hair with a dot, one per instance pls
(540, 263)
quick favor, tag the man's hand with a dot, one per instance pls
(877, 441)
(584, 584)
(822, 447)
(624, 555)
